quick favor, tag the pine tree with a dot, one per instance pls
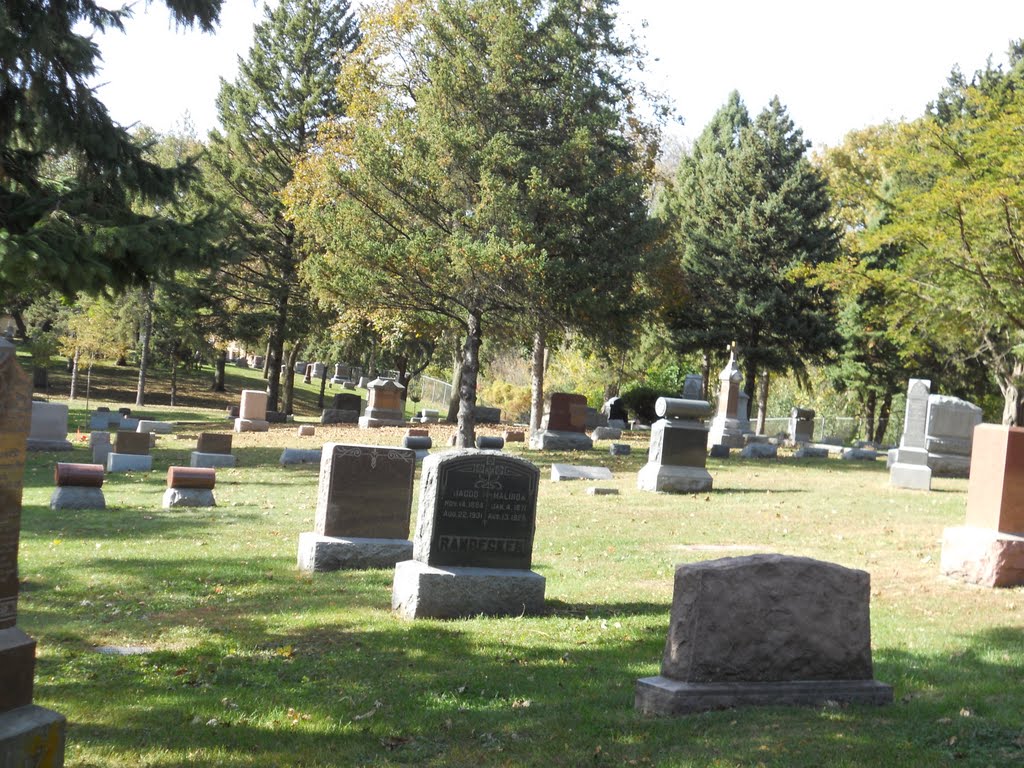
(70, 177)
(270, 115)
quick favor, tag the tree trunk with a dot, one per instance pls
(466, 436)
(537, 380)
(402, 363)
(266, 356)
(762, 401)
(883, 418)
(870, 402)
(174, 380)
(453, 401)
(147, 332)
(219, 366)
(323, 388)
(19, 323)
(74, 374)
(276, 355)
(289, 378)
(705, 374)
(748, 389)
(1013, 403)
(371, 368)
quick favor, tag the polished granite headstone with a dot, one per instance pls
(677, 457)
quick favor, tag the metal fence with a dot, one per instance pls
(432, 391)
(843, 427)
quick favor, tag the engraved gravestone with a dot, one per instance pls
(214, 442)
(29, 735)
(910, 468)
(136, 443)
(564, 424)
(474, 539)
(363, 506)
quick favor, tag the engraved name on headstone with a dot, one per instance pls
(365, 491)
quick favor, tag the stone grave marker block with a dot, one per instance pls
(214, 442)
(136, 443)
(567, 413)
(365, 491)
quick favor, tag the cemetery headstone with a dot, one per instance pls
(474, 539)
(131, 452)
(606, 433)
(487, 415)
(490, 442)
(363, 506)
(765, 630)
(384, 404)
(292, 456)
(563, 426)
(345, 409)
(318, 370)
(730, 423)
(306, 430)
(252, 412)
(948, 434)
(989, 549)
(719, 451)
(213, 450)
(677, 459)
(29, 734)
(560, 472)
(190, 487)
(49, 430)
(78, 486)
(693, 387)
(759, 451)
(620, 449)
(615, 409)
(307, 375)
(99, 444)
(154, 427)
(428, 416)
(801, 425)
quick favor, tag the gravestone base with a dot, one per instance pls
(727, 432)
(667, 478)
(665, 696)
(188, 497)
(948, 465)
(129, 462)
(338, 416)
(917, 477)
(32, 736)
(560, 440)
(100, 452)
(211, 460)
(156, 427)
(423, 591)
(373, 422)
(36, 444)
(291, 456)
(252, 425)
(77, 497)
(318, 553)
(982, 556)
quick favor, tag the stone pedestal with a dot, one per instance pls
(331, 553)
(554, 440)
(252, 425)
(188, 497)
(422, 591)
(983, 556)
(663, 478)
(664, 696)
(677, 457)
(129, 462)
(32, 736)
(910, 470)
(383, 405)
(211, 460)
(77, 497)
(154, 427)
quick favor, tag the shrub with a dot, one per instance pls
(513, 400)
(640, 401)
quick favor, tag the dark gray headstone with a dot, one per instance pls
(365, 491)
(214, 442)
(477, 509)
(345, 401)
(137, 443)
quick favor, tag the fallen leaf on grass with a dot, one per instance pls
(376, 705)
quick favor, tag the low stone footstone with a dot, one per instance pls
(859, 454)
(418, 444)
(383, 404)
(619, 449)
(364, 502)
(606, 433)
(291, 456)
(154, 427)
(759, 451)
(563, 426)
(719, 451)
(190, 487)
(474, 539)
(573, 472)
(490, 443)
(677, 458)
(79, 486)
(810, 452)
(306, 430)
(212, 460)
(49, 430)
(232, 411)
(765, 630)
(989, 549)
(514, 436)
(602, 491)
(29, 734)
(129, 462)
(252, 412)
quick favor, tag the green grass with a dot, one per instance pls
(254, 664)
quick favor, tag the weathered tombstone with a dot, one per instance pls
(730, 423)
(190, 487)
(418, 444)
(252, 412)
(292, 456)
(693, 387)
(719, 451)
(131, 452)
(801, 425)
(948, 433)
(79, 486)
(474, 539)
(306, 430)
(318, 370)
(49, 430)
(300, 367)
(345, 409)
(606, 433)
(154, 427)
(620, 449)
(989, 549)
(362, 511)
(910, 464)
(100, 420)
(428, 416)
(213, 450)
(383, 404)
(563, 426)
(614, 410)
(99, 443)
(677, 460)
(560, 472)
(487, 415)
(765, 630)
(29, 735)
(363, 382)
(257, 361)
(307, 375)
(341, 373)
(759, 451)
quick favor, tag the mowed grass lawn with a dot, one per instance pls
(251, 663)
